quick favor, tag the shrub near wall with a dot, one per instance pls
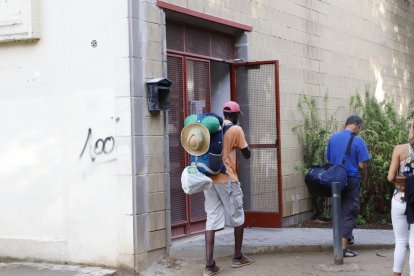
(318, 125)
(383, 128)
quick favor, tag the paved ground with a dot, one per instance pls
(257, 240)
(286, 251)
(373, 262)
(43, 269)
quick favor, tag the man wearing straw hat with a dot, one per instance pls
(224, 201)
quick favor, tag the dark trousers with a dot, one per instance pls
(350, 205)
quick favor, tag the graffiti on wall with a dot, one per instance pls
(99, 147)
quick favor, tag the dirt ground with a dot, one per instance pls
(368, 262)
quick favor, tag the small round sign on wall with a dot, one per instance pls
(94, 43)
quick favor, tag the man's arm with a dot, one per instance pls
(246, 152)
(362, 165)
(363, 155)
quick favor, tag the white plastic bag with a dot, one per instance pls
(193, 181)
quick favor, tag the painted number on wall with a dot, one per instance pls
(99, 147)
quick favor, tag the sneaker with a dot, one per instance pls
(211, 271)
(242, 262)
(351, 240)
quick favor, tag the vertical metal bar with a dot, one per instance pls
(336, 214)
(278, 144)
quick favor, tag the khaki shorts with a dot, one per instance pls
(224, 206)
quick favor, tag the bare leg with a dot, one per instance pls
(238, 240)
(209, 237)
(344, 243)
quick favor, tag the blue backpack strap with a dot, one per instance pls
(226, 127)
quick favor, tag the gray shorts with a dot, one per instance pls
(224, 206)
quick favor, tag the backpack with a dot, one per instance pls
(211, 163)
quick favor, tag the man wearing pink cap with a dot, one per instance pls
(224, 201)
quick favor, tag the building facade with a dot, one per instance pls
(90, 175)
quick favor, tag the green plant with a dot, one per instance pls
(318, 125)
(361, 220)
(383, 128)
(316, 129)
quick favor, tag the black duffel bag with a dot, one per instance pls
(319, 178)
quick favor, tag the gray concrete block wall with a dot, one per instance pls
(148, 135)
(335, 47)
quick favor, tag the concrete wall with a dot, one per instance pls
(63, 194)
(151, 212)
(336, 47)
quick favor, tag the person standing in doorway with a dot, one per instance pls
(402, 166)
(350, 201)
(224, 201)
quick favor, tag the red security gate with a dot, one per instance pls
(191, 51)
(190, 95)
(255, 85)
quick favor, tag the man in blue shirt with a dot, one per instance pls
(356, 160)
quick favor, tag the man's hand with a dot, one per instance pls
(362, 165)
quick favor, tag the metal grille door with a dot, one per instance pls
(190, 94)
(256, 88)
(198, 101)
(177, 153)
(190, 49)
(188, 39)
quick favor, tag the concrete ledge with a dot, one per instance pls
(39, 269)
(32, 249)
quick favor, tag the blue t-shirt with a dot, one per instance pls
(336, 151)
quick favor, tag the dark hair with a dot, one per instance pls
(231, 115)
(353, 120)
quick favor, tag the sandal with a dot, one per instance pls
(241, 261)
(212, 270)
(349, 253)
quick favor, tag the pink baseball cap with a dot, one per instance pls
(230, 107)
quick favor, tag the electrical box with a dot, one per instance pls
(158, 94)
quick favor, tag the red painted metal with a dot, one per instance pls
(279, 155)
(263, 219)
(199, 42)
(194, 221)
(256, 218)
(194, 55)
(168, 6)
(261, 146)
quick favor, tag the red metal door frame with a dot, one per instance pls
(190, 226)
(254, 218)
(194, 225)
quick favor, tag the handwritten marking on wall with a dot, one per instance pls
(99, 147)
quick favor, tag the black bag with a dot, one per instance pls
(320, 177)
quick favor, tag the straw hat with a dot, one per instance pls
(195, 139)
